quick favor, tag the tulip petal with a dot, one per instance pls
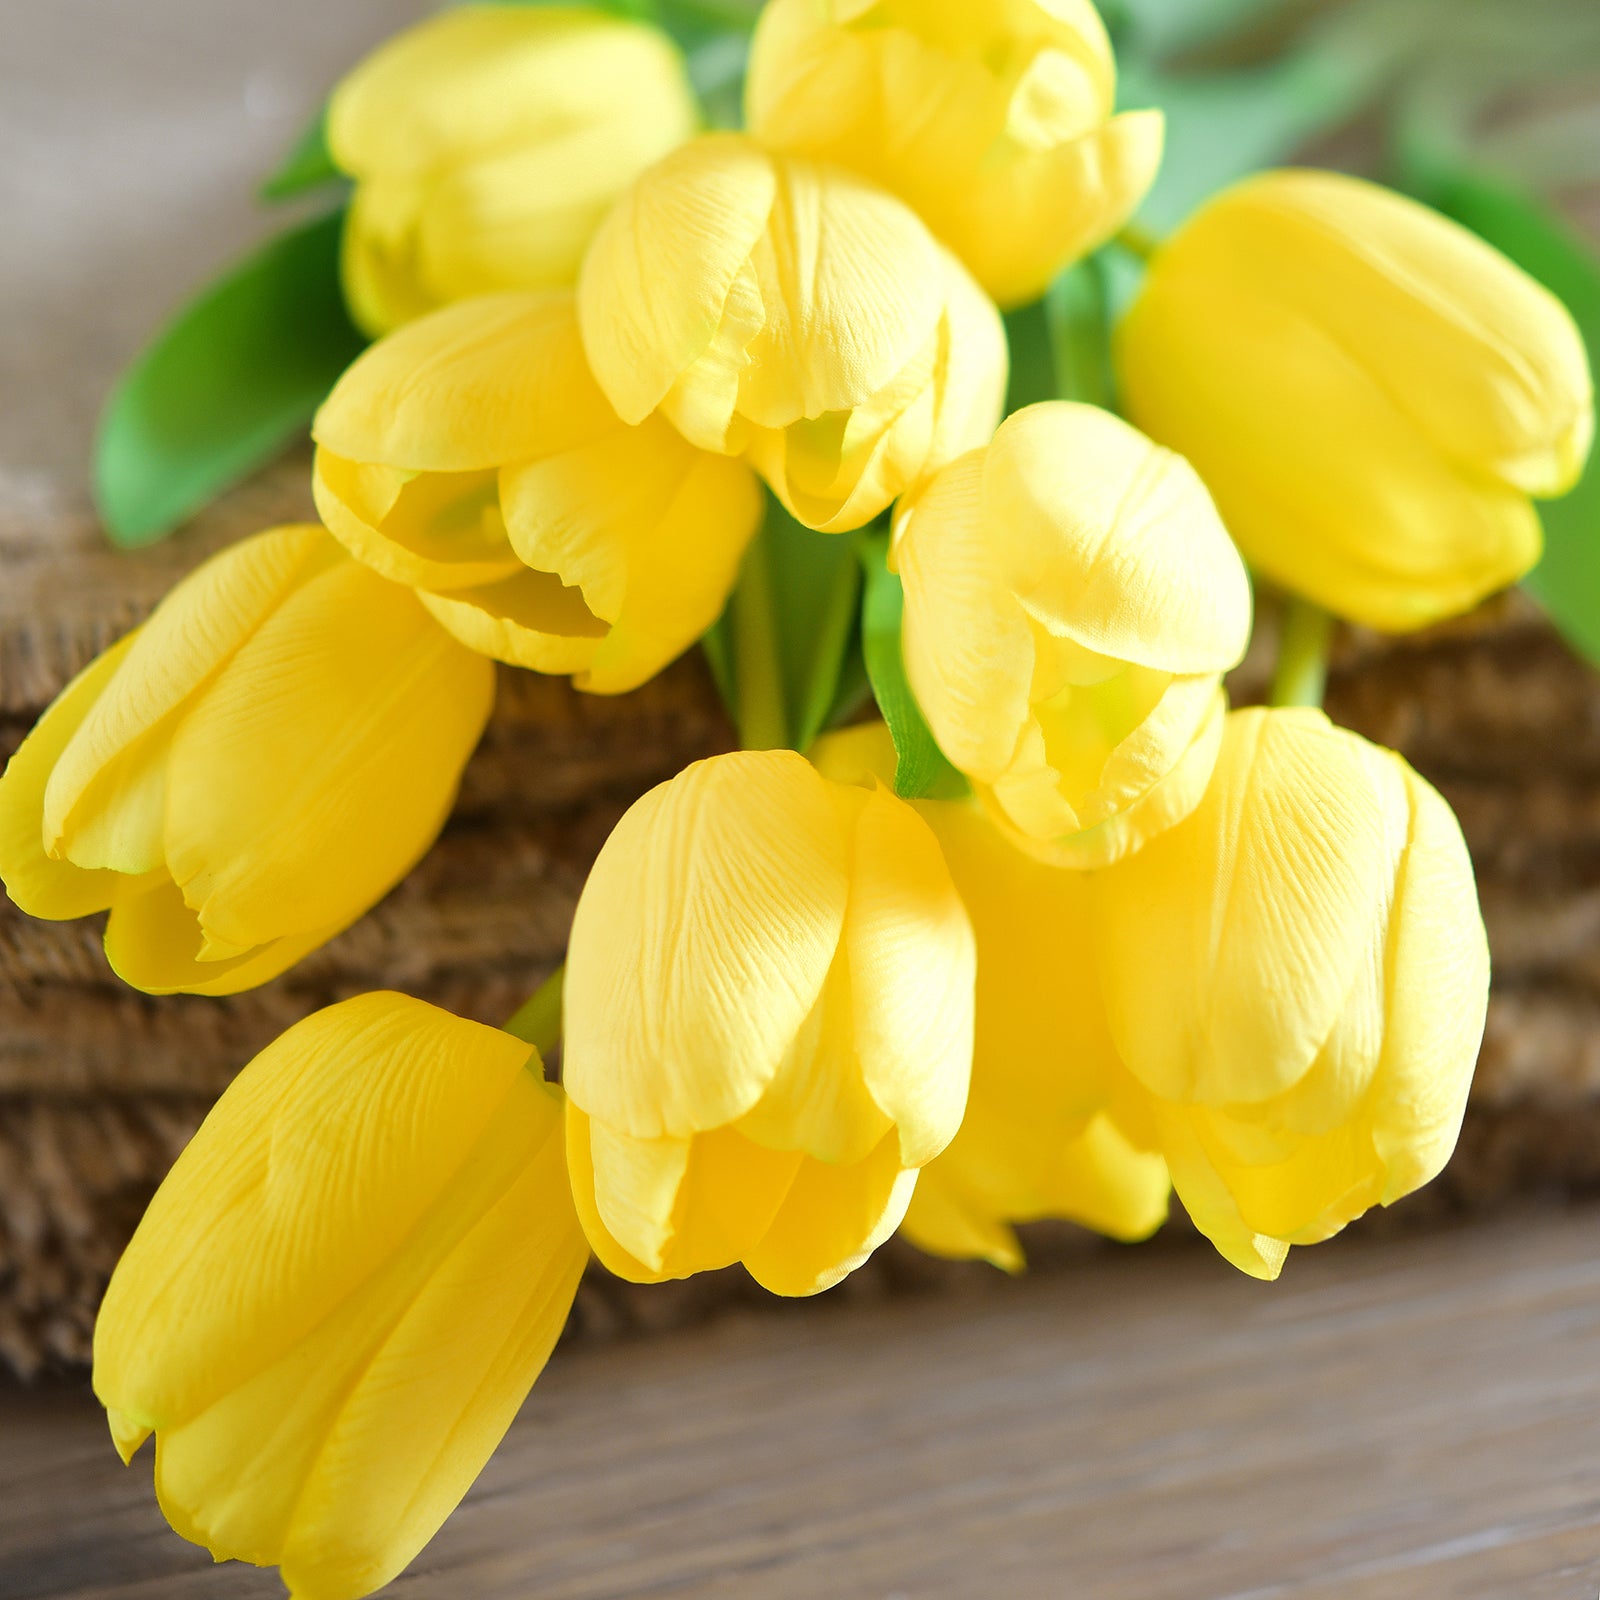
(1438, 970)
(912, 973)
(469, 388)
(38, 884)
(1508, 390)
(1112, 542)
(154, 942)
(701, 942)
(680, 575)
(658, 274)
(1167, 801)
(327, 1186)
(320, 763)
(1272, 410)
(968, 648)
(529, 621)
(522, 218)
(686, 1206)
(1213, 1210)
(190, 636)
(1258, 970)
(832, 1219)
(480, 78)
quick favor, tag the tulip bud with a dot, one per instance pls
(993, 121)
(247, 773)
(471, 455)
(1046, 1133)
(343, 1291)
(1297, 975)
(768, 1024)
(792, 313)
(1371, 392)
(487, 143)
(1070, 602)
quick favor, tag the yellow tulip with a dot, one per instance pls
(471, 455)
(791, 313)
(768, 1024)
(248, 772)
(993, 121)
(1371, 393)
(343, 1292)
(487, 143)
(1049, 1116)
(1297, 976)
(1071, 600)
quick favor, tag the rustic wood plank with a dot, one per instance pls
(1395, 1420)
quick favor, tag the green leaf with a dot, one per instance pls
(1033, 367)
(234, 377)
(816, 579)
(308, 165)
(922, 770)
(1566, 581)
(1078, 315)
(779, 651)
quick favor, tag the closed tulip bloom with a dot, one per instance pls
(248, 772)
(768, 1024)
(795, 314)
(1049, 1115)
(993, 121)
(1297, 975)
(343, 1291)
(1071, 600)
(471, 455)
(487, 144)
(1371, 392)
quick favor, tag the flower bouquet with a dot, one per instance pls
(964, 481)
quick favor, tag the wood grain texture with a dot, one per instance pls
(1416, 1419)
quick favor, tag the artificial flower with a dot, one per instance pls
(1053, 1120)
(795, 314)
(488, 142)
(1371, 392)
(1071, 600)
(768, 1024)
(343, 1291)
(471, 455)
(994, 122)
(248, 772)
(1297, 976)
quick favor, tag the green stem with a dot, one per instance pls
(757, 675)
(538, 1020)
(1301, 674)
(1138, 241)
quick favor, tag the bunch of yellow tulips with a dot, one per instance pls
(1140, 943)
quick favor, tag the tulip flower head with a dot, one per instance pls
(471, 455)
(768, 1024)
(343, 1291)
(1045, 1132)
(1071, 600)
(1371, 392)
(1297, 976)
(247, 773)
(992, 121)
(487, 144)
(794, 314)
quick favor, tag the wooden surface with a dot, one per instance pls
(1412, 1419)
